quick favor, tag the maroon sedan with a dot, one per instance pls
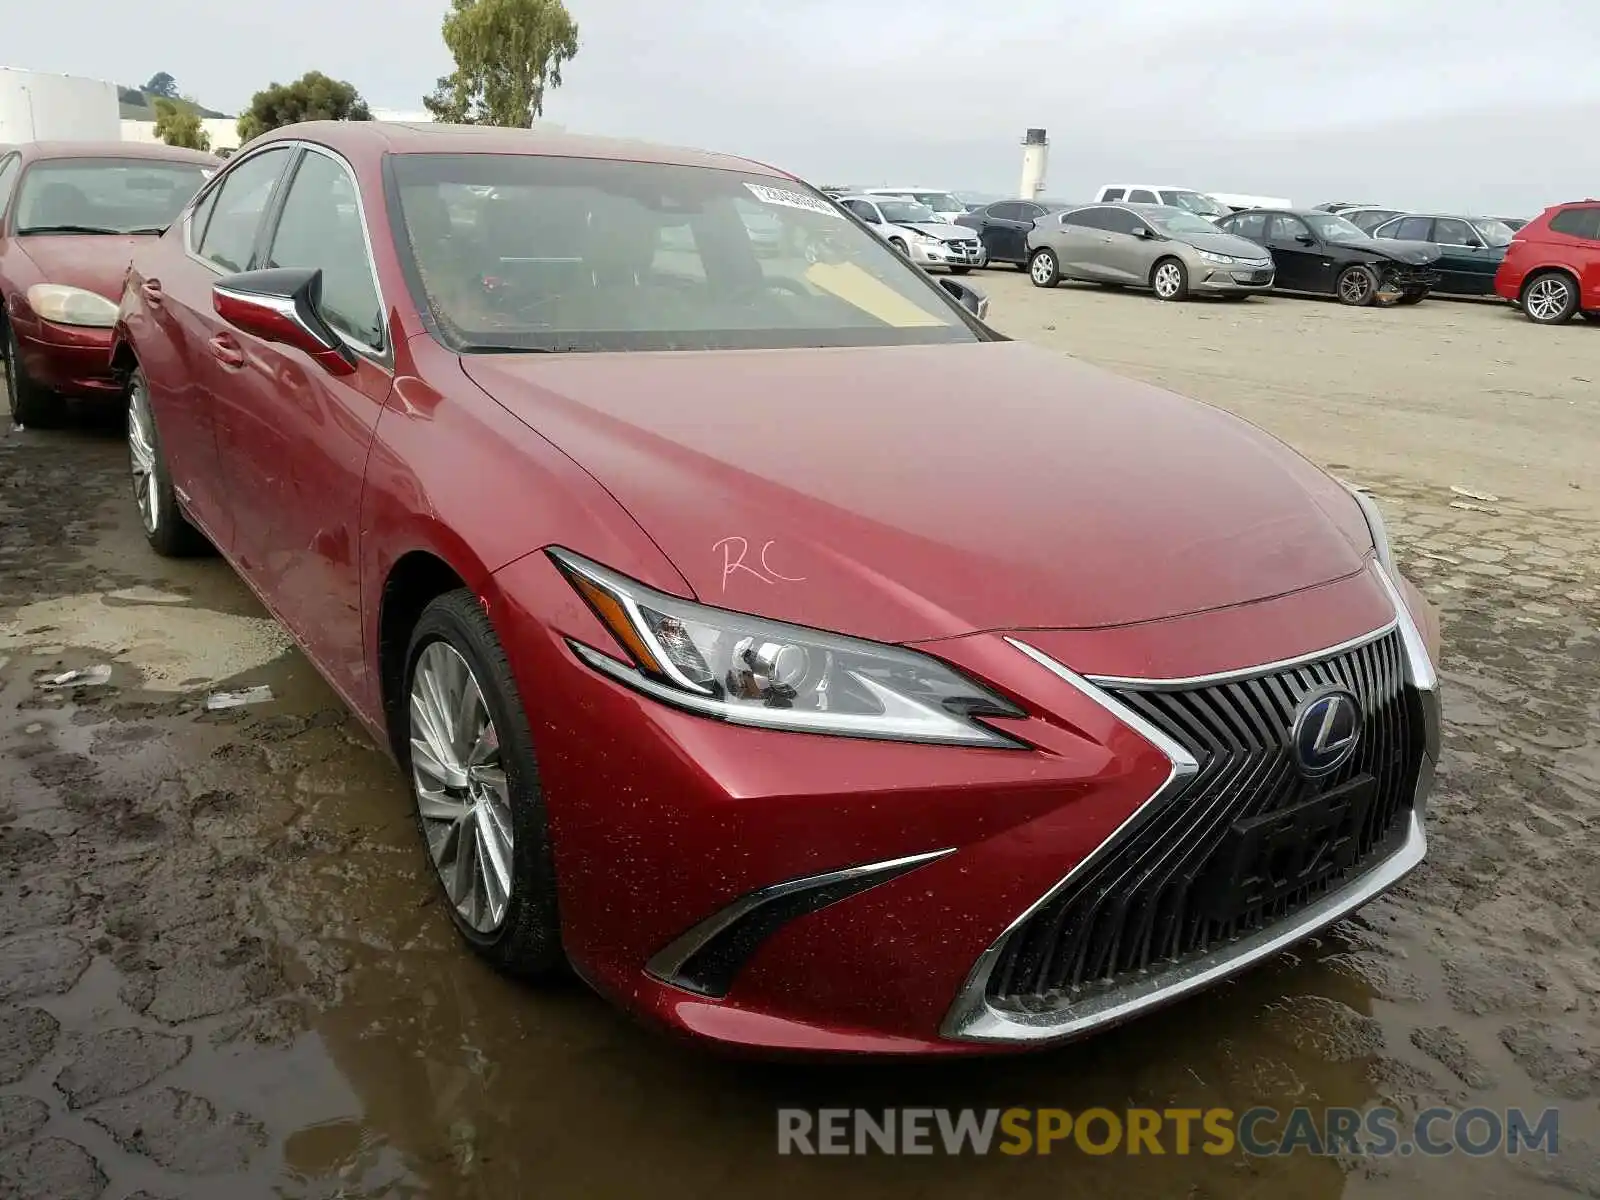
(806, 664)
(71, 215)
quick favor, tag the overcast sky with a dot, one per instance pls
(1454, 104)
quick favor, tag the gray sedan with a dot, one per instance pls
(1164, 248)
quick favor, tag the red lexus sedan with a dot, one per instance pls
(71, 214)
(809, 666)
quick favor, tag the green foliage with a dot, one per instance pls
(179, 125)
(162, 84)
(312, 97)
(507, 52)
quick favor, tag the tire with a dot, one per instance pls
(1550, 298)
(165, 527)
(31, 403)
(524, 937)
(1413, 296)
(959, 270)
(1357, 286)
(1043, 269)
(900, 245)
(1169, 280)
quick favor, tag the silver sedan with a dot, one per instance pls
(1169, 250)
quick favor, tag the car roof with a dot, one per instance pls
(154, 151)
(435, 137)
(908, 189)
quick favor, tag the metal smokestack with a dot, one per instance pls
(1035, 160)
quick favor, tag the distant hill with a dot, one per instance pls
(139, 105)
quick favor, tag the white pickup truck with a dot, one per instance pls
(1202, 204)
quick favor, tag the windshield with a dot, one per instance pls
(1333, 229)
(907, 212)
(1195, 202)
(1184, 223)
(573, 254)
(105, 195)
(1494, 233)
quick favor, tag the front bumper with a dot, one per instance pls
(948, 254)
(1405, 278)
(870, 887)
(72, 359)
(1233, 280)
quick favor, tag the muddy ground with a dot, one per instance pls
(223, 972)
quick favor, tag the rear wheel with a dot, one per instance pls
(1043, 268)
(31, 403)
(1357, 286)
(1169, 280)
(1550, 299)
(476, 785)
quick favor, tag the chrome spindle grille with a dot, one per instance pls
(1173, 889)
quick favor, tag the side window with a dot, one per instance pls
(1030, 212)
(1119, 220)
(9, 170)
(1412, 229)
(1141, 196)
(1283, 228)
(1252, 225)
(235, 215)
(1008, 210)
(1453, 233)
(1577, 222)
(320, 226)
(199, 218)
(1093, 218)
(1114, 194)
(862, 209)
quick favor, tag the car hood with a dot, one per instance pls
(1413, 254)
(945, 233)
(1230, 244)
(96, 262)
(907, 493)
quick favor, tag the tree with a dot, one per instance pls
(507, 53)
(179, 125)
(162, 84)
(312, 97)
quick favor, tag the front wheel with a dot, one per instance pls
(899, 244)
(476, 785)
(31, 403)
(1169, 280)
(1357, 286)
(1550, 299)
(1043, 269)
(165, 527)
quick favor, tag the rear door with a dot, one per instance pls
(175, 329)
(1467, 264)
(296, 438)
(1089, 244)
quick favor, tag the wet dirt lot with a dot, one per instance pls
(223, 972)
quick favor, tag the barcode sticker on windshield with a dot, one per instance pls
(788, 199)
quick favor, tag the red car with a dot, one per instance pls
(1552, 267)
(71, 214)
(809, 666)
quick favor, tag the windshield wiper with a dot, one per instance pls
(65, 229)
(155, 229)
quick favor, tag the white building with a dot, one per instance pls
(223, 132)
(36, 107)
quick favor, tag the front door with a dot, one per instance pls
(295, 438)
(1005, 231)
(1468, 266)
(1302, 265)
(1133, 249)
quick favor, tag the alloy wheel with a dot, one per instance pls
(142, 456)
(1354, 287)
(1547, 299)
(461, 789)
(1168, 280)
(1042, 268)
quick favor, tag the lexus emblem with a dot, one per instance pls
(1327, 726)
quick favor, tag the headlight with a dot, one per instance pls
(752, 671)
(71, 306)
(1220, 259)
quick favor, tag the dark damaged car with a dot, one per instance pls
(1316, 251)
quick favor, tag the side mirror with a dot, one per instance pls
(969, 297)
(1305, 239)
(1142, 231)
(283, 305)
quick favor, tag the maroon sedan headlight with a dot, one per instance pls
(751, 671)
(63, 305)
